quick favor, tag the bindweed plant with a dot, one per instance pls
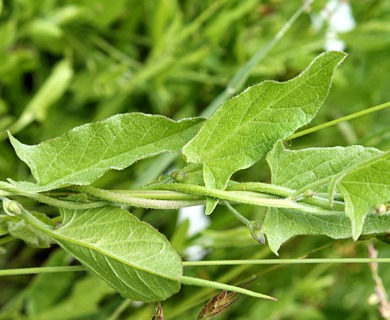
(141, 83)
(339, 192)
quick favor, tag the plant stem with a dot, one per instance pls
(124, 197)
(21, 271)
(244, 197)
(239, 216)
(184, 195)
(157, 194)
(159, 200)
(7, 189)
(284, 261)
(221, 286)
(317, 200)
(254, 226)
(336, 121)
(261, 187)
(191, 281)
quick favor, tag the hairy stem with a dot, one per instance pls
(9, 190)
(137, 199)
(246, 197)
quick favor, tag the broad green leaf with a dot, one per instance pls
(246, 127)
(363, 187)
(130, 255)
(313, 168)
(135, 259)
(281, 225)
(85, 153)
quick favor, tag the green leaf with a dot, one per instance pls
(248, 125)
(313, 168)
(130, 255)
(85, 153)
(27, 232)
(364, 186)
(135, 259)
(281, 225)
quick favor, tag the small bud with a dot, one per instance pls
(380, 209)
(179, 175)
(255, 228)
(12, 208)
(309, 194)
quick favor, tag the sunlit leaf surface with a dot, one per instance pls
(364, 187)
(246, 127)
(85, 153)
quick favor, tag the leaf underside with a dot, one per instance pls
(313, 168)
(246, 127)
(281, 225)
(85, 153)
(351, 169)
(135, 259)
(365, 187)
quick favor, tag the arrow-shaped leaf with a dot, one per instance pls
(364, 186)
(281, 225)
(246, 127)
(318, 169)
(85, 153)
(313, 168)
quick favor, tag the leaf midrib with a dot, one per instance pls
(57, 235)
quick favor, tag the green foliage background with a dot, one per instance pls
(66, 63)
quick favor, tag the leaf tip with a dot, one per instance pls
(11, 137)
(357, 229)
(210, 205)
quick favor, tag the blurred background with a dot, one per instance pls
(64, 63)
